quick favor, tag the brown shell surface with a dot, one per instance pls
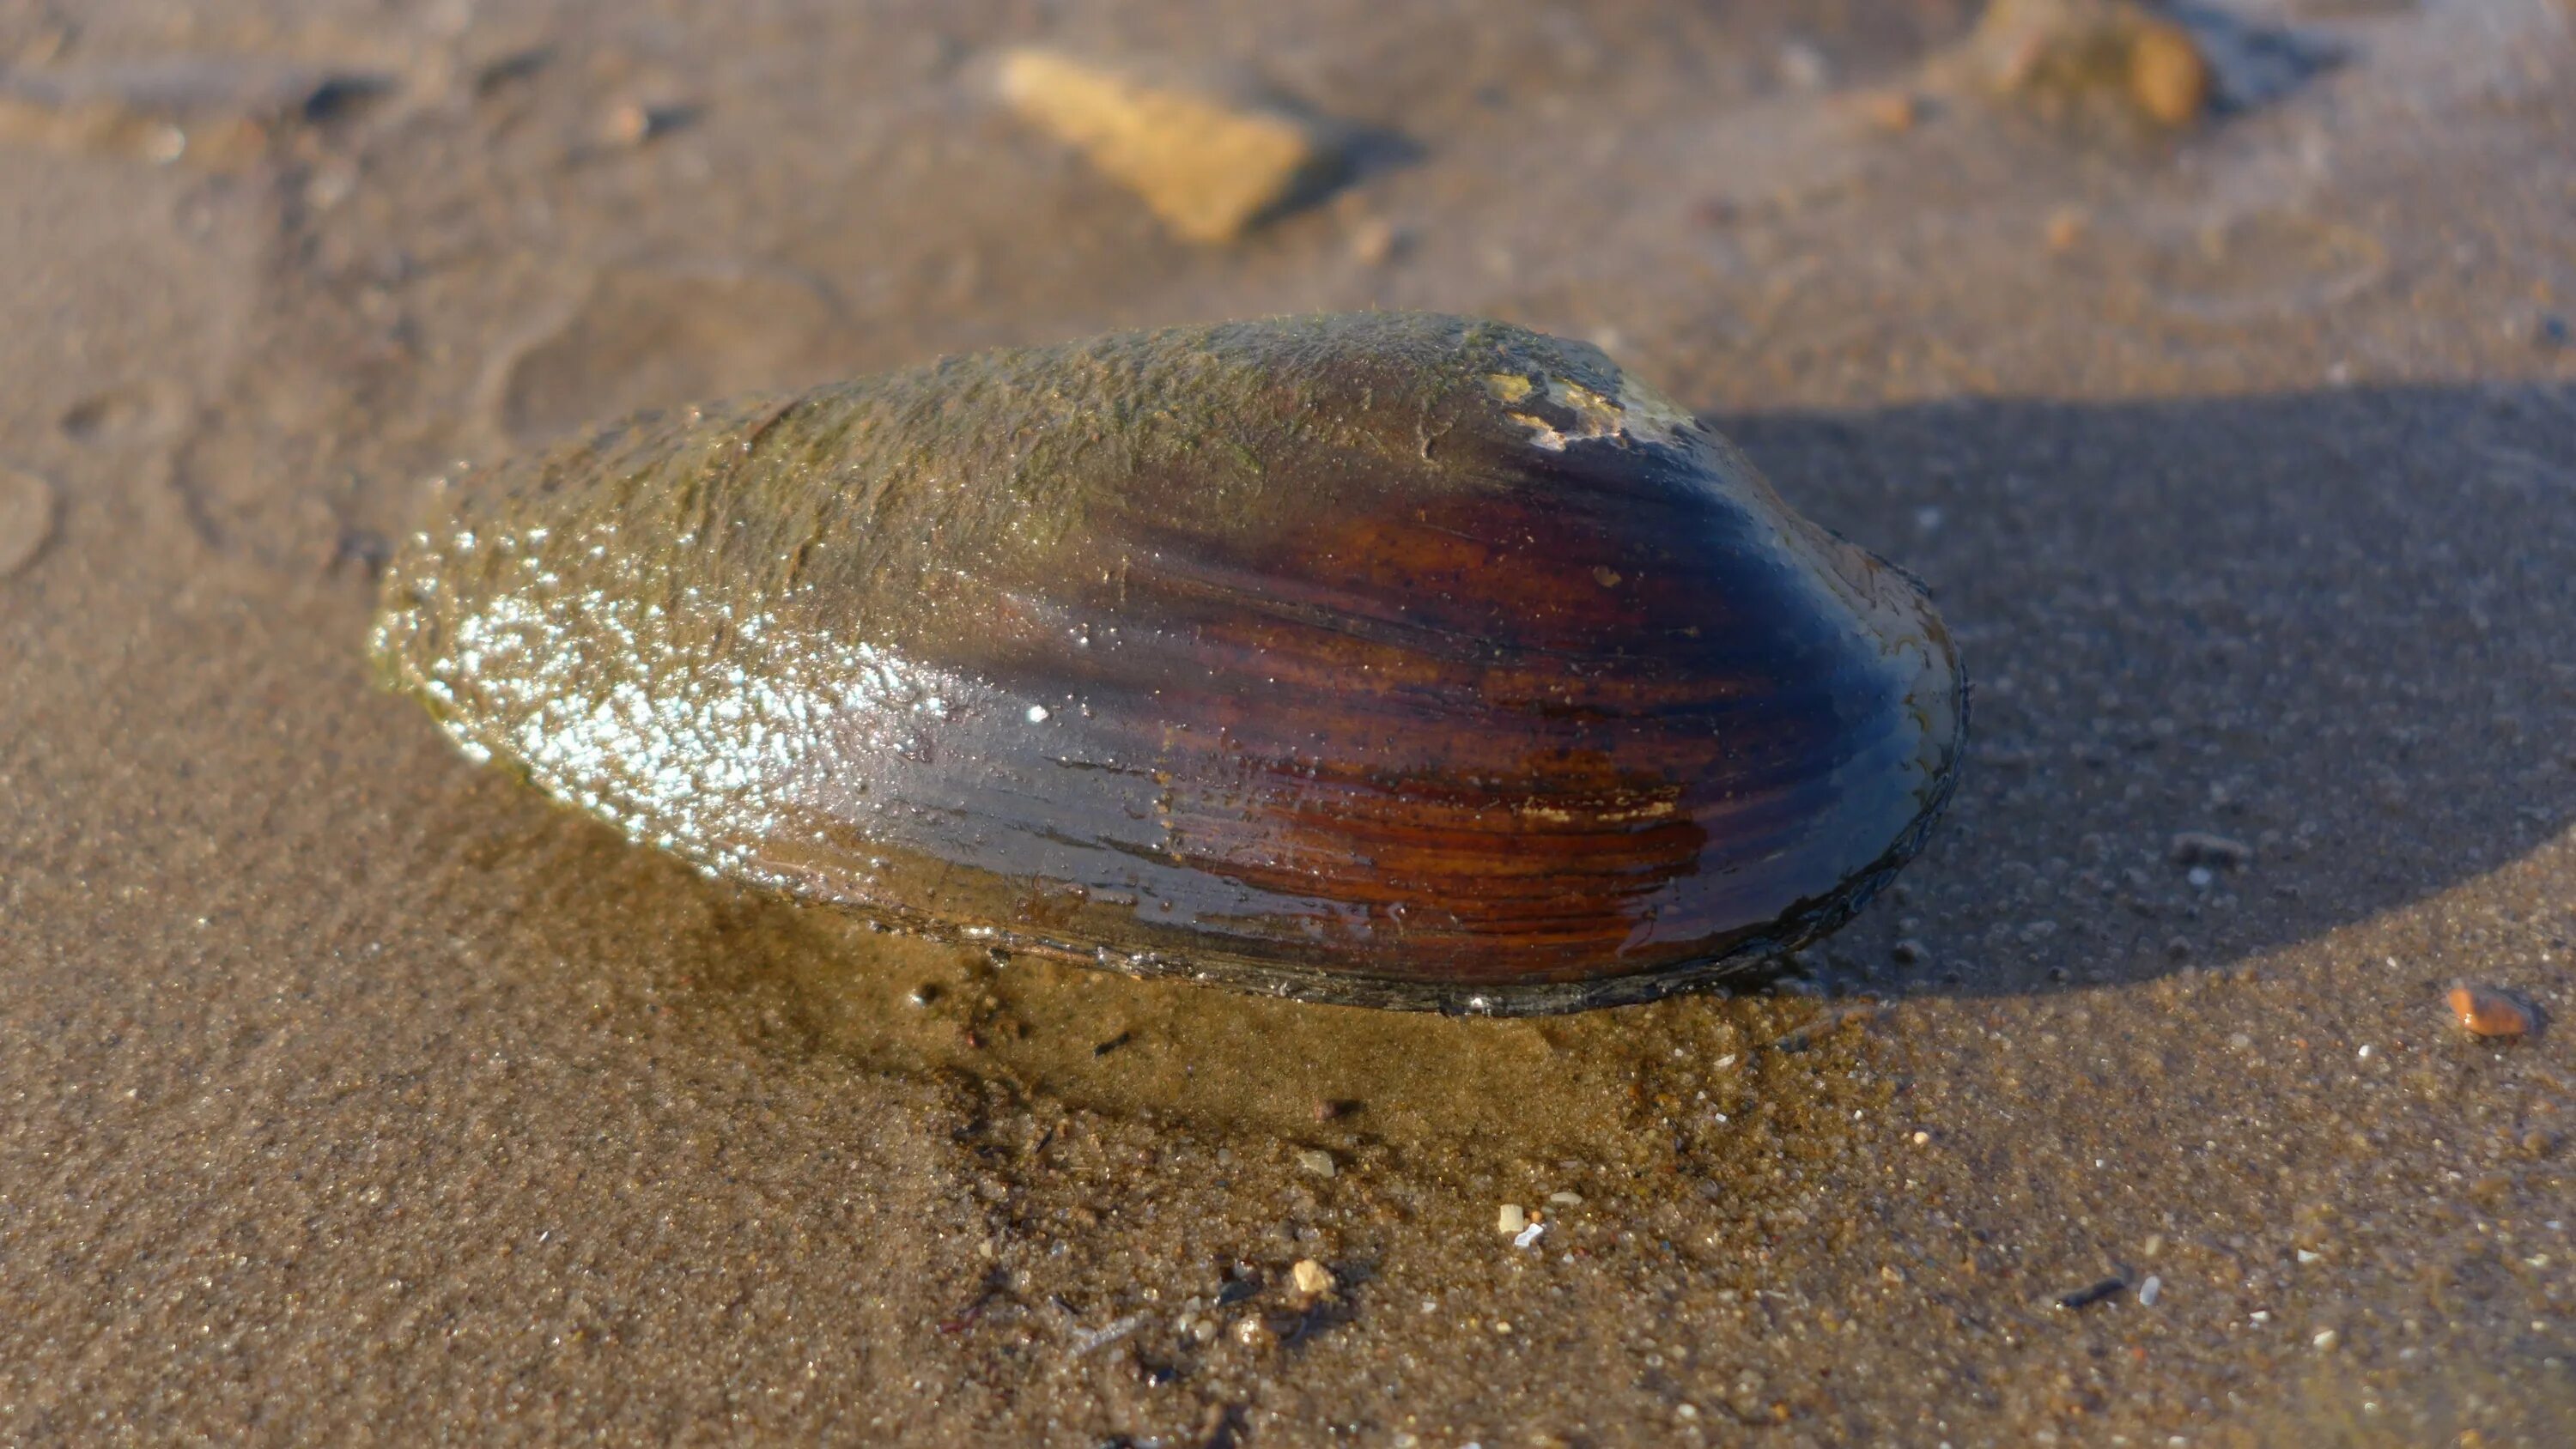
(1399, 659)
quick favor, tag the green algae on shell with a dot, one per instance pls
(1397, 659)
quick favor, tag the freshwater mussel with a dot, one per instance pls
(1397, 659)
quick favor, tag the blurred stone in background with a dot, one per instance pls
(1211, 152)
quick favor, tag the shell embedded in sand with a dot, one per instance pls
(1400, 659)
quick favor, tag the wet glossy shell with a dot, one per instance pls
(1388, 658)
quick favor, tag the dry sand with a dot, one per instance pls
(350, 1092)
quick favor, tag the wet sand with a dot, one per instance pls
(352, 1092)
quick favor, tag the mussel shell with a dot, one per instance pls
(1390, 658)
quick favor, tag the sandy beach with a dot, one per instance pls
(352, 1093)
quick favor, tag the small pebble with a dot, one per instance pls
(1566, 1198)
(26, 519)
(2486, 1011)
(2066, 228)
(1510, 1218)
(1254, 1334)
(1316, 1161)
(2199, 847)
(2168, 77)
(632, 123)
(2062, 53)
(1895, 112)
(626, 124)
(2087, 1297)
(1311, 1278)
(2150, 1291)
